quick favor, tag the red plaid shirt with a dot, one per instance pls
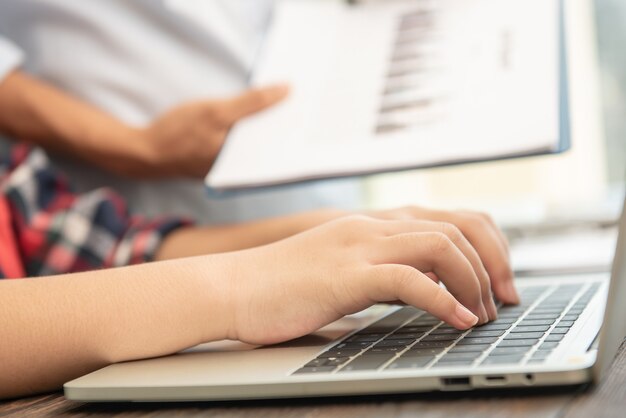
(46, 229)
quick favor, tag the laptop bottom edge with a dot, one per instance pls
(320, 389)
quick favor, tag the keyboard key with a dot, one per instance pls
(391, 321)
(354, 345)
(493, 327)
(518, 343)
(367, 362)
(410, 329)
(548, 311)
(511, 309)
(365, 338)
(395, 343)
(503, 360)
(510, 315)
(479, 340)
(560, 330)
(535, 328)
(505, 351)
(392, 349)
(410, 362)
(421, 352)
(323, 369)
(539, 316)
(550, 345)
(431, 344)
(557, 307)
(565, 324)
(532, 322)
(338, 361)
(477, 348)
(425, 322)
(316, 362)
(453, 362)
(340, 353)
(536, 360)
(441, 330)
(459, 356)
(523, 335)
(398, 336)
(501, 321)
(485, 333)
(554, 337)
(542, 354)
(440, 337)
(572, 288)
(555, 301)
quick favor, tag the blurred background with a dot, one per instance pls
(582, 185)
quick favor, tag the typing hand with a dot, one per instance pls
(487, 244)
(293, 287)
(186, 141)
(487, 241)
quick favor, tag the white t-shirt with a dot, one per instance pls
(137, 59)
(10, 57)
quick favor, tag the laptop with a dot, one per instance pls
(565, 331)
(391, 85)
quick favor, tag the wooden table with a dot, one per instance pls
(605, 400)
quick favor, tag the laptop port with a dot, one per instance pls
(453, 382)
(495, 380)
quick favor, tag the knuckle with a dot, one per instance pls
(356, 220)
(451, 231)
(477, 220)
(397, 214)
(486, 217)
(355, 223)
(401, 277)
(410, 211)
(439, 243)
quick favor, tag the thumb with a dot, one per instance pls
(253, 101)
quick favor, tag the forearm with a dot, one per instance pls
(187, 242)
(37, 113)
(57, 328)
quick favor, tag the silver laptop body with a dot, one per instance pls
(566, 332)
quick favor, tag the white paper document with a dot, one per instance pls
(391, 85)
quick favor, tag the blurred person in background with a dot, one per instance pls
(140, 97)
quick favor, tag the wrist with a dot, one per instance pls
(127, 151)
(213, 283)
(320, 216)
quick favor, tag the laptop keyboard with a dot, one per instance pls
(410, 338)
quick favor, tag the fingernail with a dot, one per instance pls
(493, 310)
(465, 316)
(512, 292)
(484, 316)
